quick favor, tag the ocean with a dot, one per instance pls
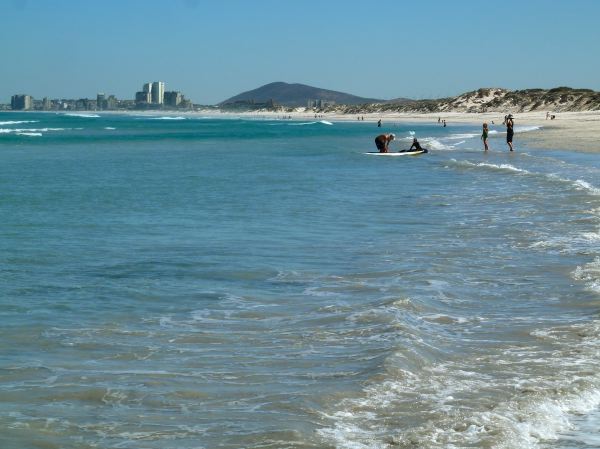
(202, 282)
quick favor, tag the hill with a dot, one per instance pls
(560, 99)
(293, 95)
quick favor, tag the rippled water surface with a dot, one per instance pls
(203, 283)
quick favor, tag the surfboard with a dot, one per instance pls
(399, 153)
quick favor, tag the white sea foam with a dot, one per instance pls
(462, 136)
(434, 144)
(24, 131)
(584, 185)
(83, 115)
(167, 118)
(18, 122)
(30, 134)
(590, 274)
(302, 123)
(525, 129)
(486, 165)
(109, 128)
(325, 122)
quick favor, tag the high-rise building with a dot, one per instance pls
(21, 102)
(158, 92)
(100, 101)
(147, 88)
(111, 102)
(46, 104)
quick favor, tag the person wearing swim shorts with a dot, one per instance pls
(510, 131)
(382, 141)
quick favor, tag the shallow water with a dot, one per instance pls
(200, 283)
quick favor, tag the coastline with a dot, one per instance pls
(575, 131)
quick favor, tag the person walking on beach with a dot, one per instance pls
(382, 141)
(509, 131)
(484, 136)
(379, 123)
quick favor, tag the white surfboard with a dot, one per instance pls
(398, 153)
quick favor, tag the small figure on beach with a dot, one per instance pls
(444, 123)
(415, 144)
(509, 131)
(439, 119)
(382, 141)
(379, 123)
(547, 115)
(484, 136)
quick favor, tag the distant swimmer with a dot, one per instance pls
(510, 131)
(382, 141)
(484, 136)
(416, 145)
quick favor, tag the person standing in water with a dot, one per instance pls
(382, 141)
(509, 131)
(484, 136)
(379, 123)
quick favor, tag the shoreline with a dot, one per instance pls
(571, 131)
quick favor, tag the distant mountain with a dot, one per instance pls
(295, 95)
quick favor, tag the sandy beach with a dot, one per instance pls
(578, 131)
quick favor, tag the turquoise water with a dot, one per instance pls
(205, 282)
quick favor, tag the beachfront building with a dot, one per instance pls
(100, 99)
(173, 99)
(319, 104)
(143, 97)
(21, 102)
(46, 104)
(153, 96)
(158, 92)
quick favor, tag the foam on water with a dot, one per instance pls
(29, 134)
(28, 131)
(82, 115)
(525, 129)
(490, 166)
(17, 122)
(590, 274)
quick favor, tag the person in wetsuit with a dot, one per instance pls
(416, 145)
(382, 141)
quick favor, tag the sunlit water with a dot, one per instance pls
(203, 283)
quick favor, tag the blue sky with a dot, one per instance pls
(213, 50)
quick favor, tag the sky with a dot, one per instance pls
(212, 50)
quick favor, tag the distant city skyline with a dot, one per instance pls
(212, 51)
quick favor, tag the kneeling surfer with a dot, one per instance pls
(382, 141)
(416, 145)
